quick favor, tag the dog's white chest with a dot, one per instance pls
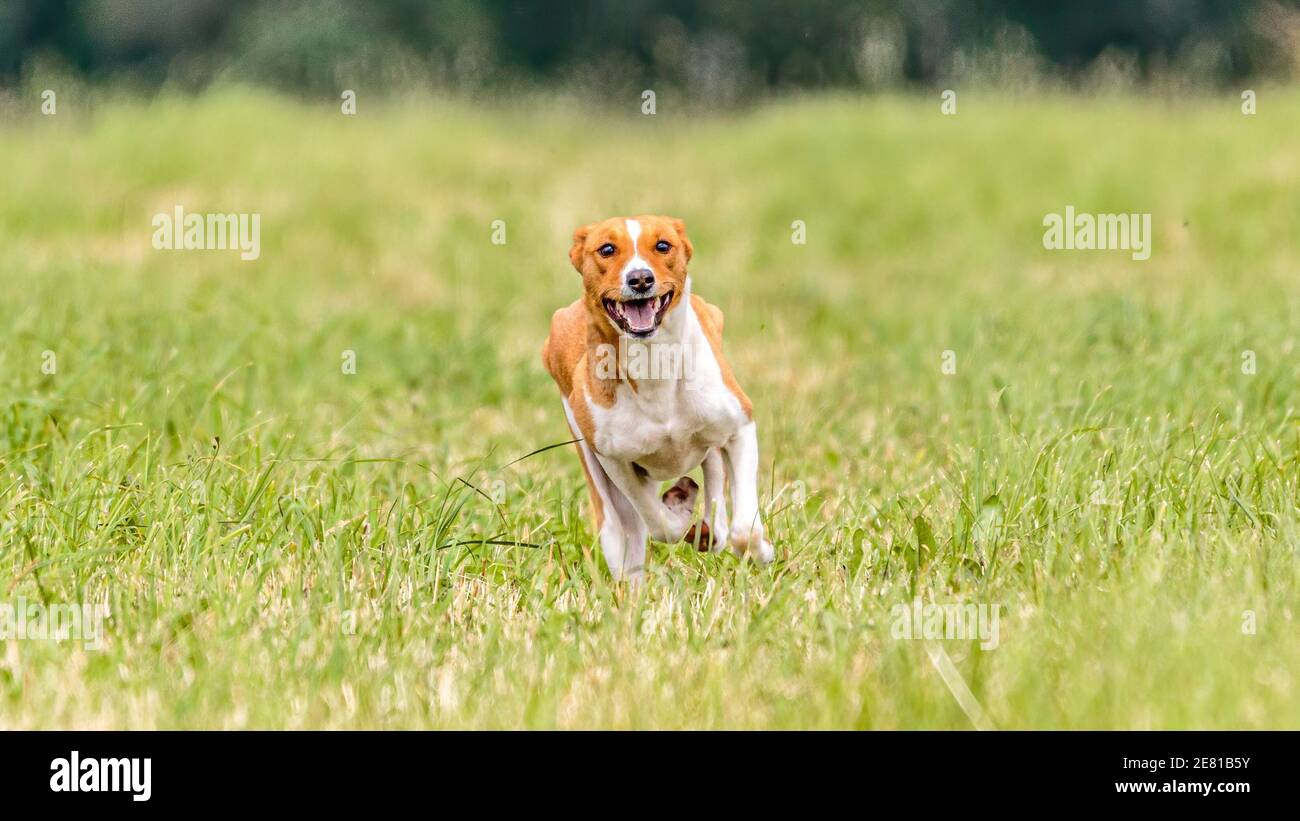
(675, 414)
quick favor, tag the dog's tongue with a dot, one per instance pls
(640, 314)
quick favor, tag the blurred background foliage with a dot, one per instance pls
(714, 51)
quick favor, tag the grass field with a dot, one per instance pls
(283, 544)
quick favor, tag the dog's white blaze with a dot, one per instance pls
(637, 262)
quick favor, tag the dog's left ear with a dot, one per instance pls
(575, 250)
(680, 227)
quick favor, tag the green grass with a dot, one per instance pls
(1099, 465)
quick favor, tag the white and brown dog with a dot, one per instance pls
(639, 428)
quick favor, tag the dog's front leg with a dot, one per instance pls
(615, 518)
(663, 523)
(715, 499)
(747, 533)
(634, 538)
(632, 495)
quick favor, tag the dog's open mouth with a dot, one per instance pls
(639, 317)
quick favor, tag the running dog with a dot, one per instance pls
(650, 396)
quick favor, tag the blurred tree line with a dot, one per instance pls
(718, 50)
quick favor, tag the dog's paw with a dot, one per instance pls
(752, 542)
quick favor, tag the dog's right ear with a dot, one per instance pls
(575, 251)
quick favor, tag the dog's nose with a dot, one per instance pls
(641, 280)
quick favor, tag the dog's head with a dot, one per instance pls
(633, 270)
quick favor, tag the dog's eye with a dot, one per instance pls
(606, 250)
(663, 247)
